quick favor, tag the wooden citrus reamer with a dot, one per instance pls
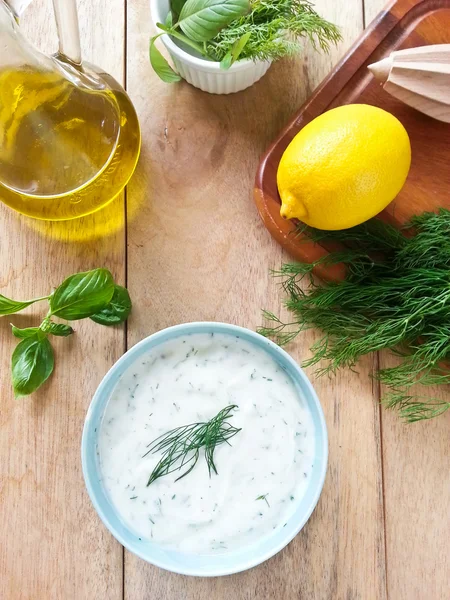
(420, 77)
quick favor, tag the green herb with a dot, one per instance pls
(82, 295)
(181, 446)
(176, 6)
(24, 333)
(117, 310)
(235, 51)
(275, 29)
(396, 295)
(201, 20)
(228, 30)
(90, 294)
(32, 364)
(160, 64)
(57, 329)
(9, 307)
(169, 19)
(263, 497)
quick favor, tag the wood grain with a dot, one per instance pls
(416, 488)
(53, 545)
(197, 250)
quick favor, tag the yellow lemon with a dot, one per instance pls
(344, 167)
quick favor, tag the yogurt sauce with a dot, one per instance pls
(261, 476)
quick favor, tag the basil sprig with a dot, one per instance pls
(195, 22)
(91, 294)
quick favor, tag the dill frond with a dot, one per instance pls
(181, 446)
(415, 408)
(396, 296)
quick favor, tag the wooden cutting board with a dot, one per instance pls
(403, 24)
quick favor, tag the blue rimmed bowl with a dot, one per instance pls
(197, 564)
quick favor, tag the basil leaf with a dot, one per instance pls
(226, 61)
(183, 38)
(160, 64)
(177, 7)
(59, 329)
(201, 20)
(117, 310)
(32, 364)
(236, 49)
(24, 333)
(9, 307)
(239, 45)
(169, 19)
(82, 295)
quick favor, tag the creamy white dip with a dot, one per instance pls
(261, 476)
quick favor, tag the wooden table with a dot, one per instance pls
(187, 241)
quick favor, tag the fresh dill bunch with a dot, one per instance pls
(181, 446)
(396, 296)
(274, 29)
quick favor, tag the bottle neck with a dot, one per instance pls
(66, 24)
(68, 30)
(16, 6)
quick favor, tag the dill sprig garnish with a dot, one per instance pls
(181, 446)
(396, 295)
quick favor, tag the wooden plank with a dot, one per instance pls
(53, 544)
(372, 8)
(416, 488)
(417, 484)
(197, 251)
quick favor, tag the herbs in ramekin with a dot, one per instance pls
(92, 294)
(396, 295)
(228, 30)
(272, 30)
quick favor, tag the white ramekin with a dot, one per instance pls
(205, 74)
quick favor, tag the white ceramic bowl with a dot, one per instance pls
(204, 74)
(197, 564)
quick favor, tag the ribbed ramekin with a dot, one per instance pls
(204, 74)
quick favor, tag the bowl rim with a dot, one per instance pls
(193, 61)
(186, 329)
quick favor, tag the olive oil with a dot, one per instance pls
(68, 144)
